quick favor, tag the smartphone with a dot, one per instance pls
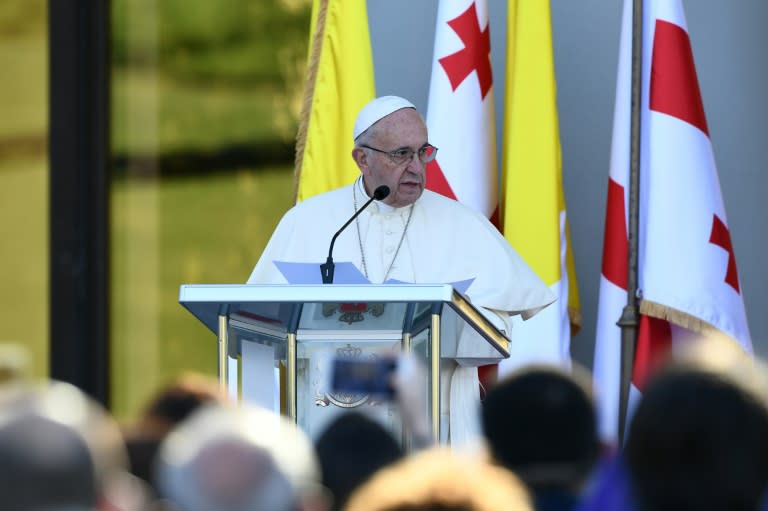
(364, 376)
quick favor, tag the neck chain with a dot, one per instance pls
(360, 238)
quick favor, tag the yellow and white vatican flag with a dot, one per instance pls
(533, 205)
(687, 279)
(460, 115)
(340, 82)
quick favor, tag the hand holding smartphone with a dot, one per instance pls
(364, 376)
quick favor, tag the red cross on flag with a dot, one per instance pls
(460, 114)
(687, 269)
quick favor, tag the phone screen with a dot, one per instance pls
(370, 376)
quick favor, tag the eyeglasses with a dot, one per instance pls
(426, 153)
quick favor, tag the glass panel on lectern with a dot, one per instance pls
(419, 341)
(357, 331)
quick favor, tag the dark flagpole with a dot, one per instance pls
(630, 317)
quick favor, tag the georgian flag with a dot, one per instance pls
(687, 269)
(460, 114)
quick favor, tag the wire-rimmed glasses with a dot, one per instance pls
(426, 153)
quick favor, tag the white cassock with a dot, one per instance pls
(442, 242)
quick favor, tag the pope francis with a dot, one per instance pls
(412, 235)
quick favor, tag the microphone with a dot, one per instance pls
(326, 270)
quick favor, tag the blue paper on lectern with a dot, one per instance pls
(344, 273)
(461, 286)
(309, 273)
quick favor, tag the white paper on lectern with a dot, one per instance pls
(259, 385)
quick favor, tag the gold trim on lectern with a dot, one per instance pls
(291, 377)
(435, 376)
(223, 336)
(469, 313)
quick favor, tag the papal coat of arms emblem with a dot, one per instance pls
(352, 312)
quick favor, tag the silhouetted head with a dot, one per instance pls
(176, 401)
(58, 448)
(169, 406)
(351, 449)
(540, 423)
(698, 440)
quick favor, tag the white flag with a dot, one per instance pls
(687, 270)
(460, 115)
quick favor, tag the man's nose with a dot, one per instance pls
(415, 165)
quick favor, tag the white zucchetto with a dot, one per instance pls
(376, 110)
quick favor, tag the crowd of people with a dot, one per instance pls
(698, 439)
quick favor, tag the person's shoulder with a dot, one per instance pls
(329, 195)
(322, 201)
(441, 203)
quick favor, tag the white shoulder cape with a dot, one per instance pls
(445, 242)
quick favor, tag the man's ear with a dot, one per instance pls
(361, 158)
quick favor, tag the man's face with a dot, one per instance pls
(402, 129)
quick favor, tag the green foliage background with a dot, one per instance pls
(193, 82)
(24, 180)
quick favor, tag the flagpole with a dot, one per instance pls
(630, 315)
